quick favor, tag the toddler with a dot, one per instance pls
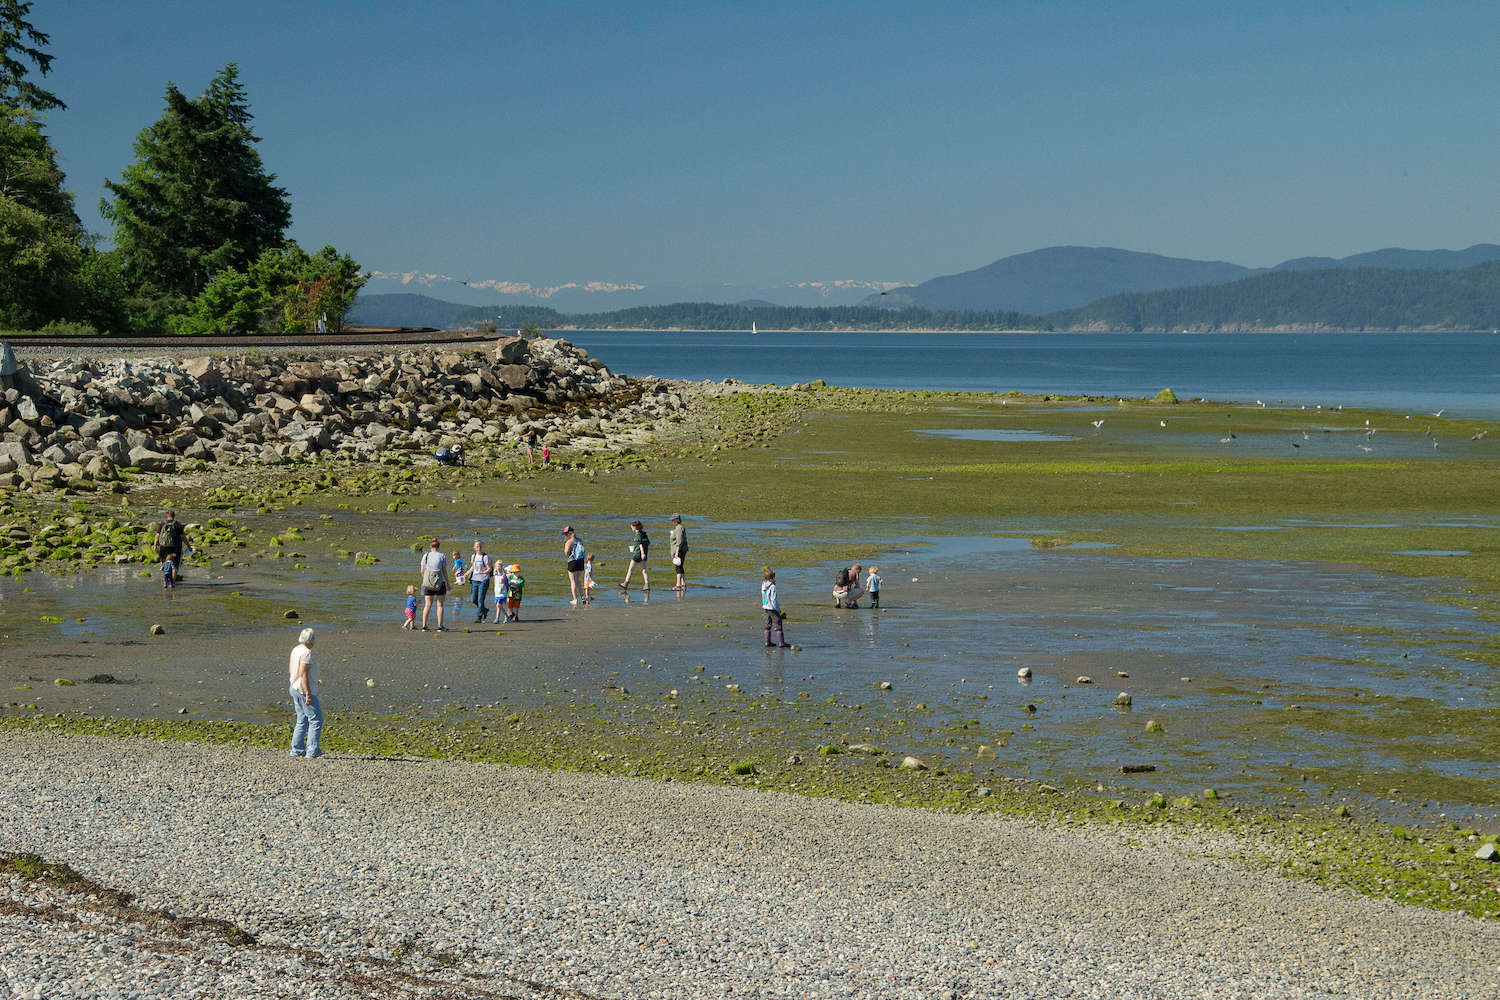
(588, 577)
(872, 586)
(502, 591)
(515, 586)
(771, 605)
(411, 607)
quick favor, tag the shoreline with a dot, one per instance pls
(538, 883)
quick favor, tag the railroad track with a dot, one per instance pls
(357, 336)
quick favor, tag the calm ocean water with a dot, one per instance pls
(1458, 373)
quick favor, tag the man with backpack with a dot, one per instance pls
(171, 537)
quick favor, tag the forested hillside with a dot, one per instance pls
(1337, 299)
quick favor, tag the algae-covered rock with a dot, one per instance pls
(158, 630)
(1165, 396)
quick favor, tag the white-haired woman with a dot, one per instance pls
(304, 687)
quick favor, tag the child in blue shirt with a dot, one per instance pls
(411, 608)
(872, 586)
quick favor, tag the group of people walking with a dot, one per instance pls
(481, 572)
(510, 586)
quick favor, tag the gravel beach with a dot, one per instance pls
(360, 878)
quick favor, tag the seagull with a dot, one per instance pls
(1227, 440)
(1434, 444)
(1364, 448)
(1476, 437)
(1305, 437)
(1097, 423)
(1260, 404)
(1164, 423)
(1439, 413)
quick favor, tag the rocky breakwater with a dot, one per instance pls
(76, 423)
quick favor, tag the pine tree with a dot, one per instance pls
(40, 235)
(196, 200)
(20, 43)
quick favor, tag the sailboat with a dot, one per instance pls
(752, 327)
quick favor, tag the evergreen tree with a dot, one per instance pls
(196, 200)
(21, 43)
(40, 235)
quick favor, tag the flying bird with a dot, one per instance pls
(1439, 413)
(1476, 437)
(1364, 448)
(1097, 423)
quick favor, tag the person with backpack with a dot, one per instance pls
(434, 568)
(481, 570)
(576, 555)
(171, 537)
(640, 548)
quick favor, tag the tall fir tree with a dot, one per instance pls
(196, 200)
(20, 43)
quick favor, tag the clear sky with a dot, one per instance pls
(691, 142)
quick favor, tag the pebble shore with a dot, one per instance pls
(354, 877)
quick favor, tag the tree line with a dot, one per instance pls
(1348, 299)
(199, 224)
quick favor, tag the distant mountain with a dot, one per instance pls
(1058, 277)
(1336, 298)
(595, 296)
(1397, 258)
(1054, 278)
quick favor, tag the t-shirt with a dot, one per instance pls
(515, 586)
(300, 654)
(872, 583)
(436, 562)
(459, 566)
(170, 534)
(482, 567)
(640, 545)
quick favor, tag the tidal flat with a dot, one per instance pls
(1274, 589)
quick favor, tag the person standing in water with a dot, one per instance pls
(679, 553)
(770, 603)
(575, 554)
(640, 548)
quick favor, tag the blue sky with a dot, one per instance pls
(763, 143)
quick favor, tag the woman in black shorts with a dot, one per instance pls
(574, 552)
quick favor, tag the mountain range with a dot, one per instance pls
(1099, 288)
(1054, 278)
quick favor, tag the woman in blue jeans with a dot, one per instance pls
(303, 671)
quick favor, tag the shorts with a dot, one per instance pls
(163, 554)
(512, 603)
(575, 565)
(438, 591)
(679, 563)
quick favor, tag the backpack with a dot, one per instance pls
(432, 576)
(171, 534)
(842, 580)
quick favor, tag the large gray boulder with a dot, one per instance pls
(146, 460)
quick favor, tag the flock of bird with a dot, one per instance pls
(1367, 447)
